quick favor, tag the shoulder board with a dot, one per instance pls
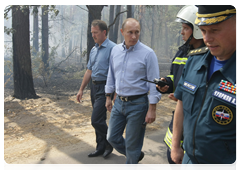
(198, 51)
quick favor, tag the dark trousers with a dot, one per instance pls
(99, 115)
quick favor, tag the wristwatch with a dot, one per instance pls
(108, 94)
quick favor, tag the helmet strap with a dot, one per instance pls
(186, 47)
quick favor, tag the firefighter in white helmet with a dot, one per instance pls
(193, 40)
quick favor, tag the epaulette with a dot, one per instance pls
(198, 51)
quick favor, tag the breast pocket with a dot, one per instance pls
(188, 96)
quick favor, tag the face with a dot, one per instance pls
(131, 33)
(221, 38)
(98, 35)
(186, 31)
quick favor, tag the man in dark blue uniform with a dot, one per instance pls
(206, 110)
(192, 36)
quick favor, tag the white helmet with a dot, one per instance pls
(188, 15)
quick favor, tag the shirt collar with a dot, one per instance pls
(228, 70)
(131, 48)
(104, 44)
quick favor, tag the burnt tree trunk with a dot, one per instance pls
(153, 45)
(94, 13)
(129, 13)
(81, 42)
(115, 35)
(62, 33)
(121, 21)
(22, 70)
(45, 37)
(166, 33)
(35, 30)
(111, 17)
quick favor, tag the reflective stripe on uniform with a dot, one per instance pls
(168, 139)
(179, 60)
(171, 77)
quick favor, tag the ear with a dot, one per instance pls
(121, 31)
(104, 32)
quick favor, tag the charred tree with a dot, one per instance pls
(22, 70)
(166, 33)
(81, 42)
(35, 30)
(129, 13)
(94, 13)
(133, 9)
(111, 17)
(153, 45)
(45, 37)
(115, 36)
(62, 33)
(121, 21)
(141, 15)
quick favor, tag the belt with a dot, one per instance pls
(125, 99)
(98, 82)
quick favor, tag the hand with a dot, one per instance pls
(79, 96)
(109, 104)
(171, 96)
(177, 154)
(114, 97)
(163, 89)
(151, 114)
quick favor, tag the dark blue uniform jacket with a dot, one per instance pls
(209, 126)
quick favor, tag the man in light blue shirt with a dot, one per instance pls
(97, 69)
(131, 61)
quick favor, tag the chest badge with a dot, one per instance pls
(222, 115)
(227, 86)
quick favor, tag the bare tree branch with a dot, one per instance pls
(81, 8)
(115, 20)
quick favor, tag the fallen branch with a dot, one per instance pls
(64, 59)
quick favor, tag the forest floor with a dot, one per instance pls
(55, 128)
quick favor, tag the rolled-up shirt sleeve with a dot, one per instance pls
(89, 65)
(110, 85)
(152, 73)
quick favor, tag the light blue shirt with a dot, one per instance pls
(99, 60)
(128, 66)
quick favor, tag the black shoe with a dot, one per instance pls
(141, 156)
(108, 151)
(95, 153)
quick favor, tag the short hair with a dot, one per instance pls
(128, 19)
(101, 24)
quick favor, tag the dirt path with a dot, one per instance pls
(50, 125)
